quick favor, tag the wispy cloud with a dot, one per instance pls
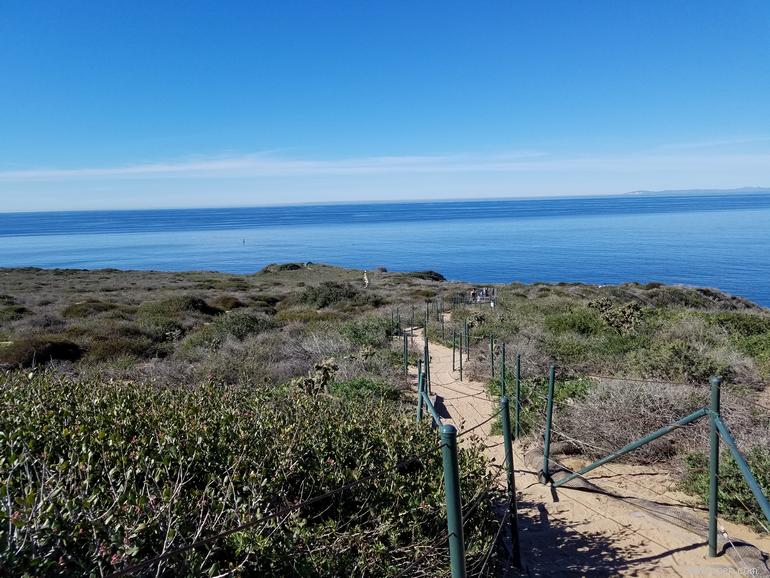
(262, 164)
(680, 159)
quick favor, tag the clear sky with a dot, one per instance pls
(116, 104)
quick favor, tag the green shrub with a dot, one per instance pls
(568, 349)
(330, 293)
(266, 300)
(172, 317)
(180, 304)
(228, 302)
(618, 345)
(132, 470)
(678, 360)
(580, 320)
(758, 347)
(309, 315)
(12, 313)
(364, 387)
(237, 325)
(671, 296)
(230, 284)
(39, 350)
(87, 309)
(739, 324)
(110, 341)
(736, 502)
(370, 331)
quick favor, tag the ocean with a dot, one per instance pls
(713, 240)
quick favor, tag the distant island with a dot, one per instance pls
(701, 192)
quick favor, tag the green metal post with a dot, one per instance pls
(461, 358)
(517, 410)
(492, 354)
(716, 382)
(512, 510)
(502, 372)
(505, 417)
(406, 354)
(398, 317)
(548, 420)
(467, 342)
(419, 398)
(411, 326)
(454, 516)
(426, 356)
(754, 486)
(454, 346)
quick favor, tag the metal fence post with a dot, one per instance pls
(546, 476)
(419, 397)
(505, 417)
(716, 382)
(426, 355)
(492, 354)
(502, 372)
(517, 409)
(454, 516)
(461, 357)
(454, 346)
(406, 354)
(467, 342)
(411, 327)
(512, 510)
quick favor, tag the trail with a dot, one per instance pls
(571, 532)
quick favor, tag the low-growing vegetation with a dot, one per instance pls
(141, 411)
(105, 475)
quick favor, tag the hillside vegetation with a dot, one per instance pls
(141, 411)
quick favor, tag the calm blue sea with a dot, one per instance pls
(714, 240)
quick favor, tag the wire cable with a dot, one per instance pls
(475, 427)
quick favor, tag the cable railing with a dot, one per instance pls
(718, 431)
(449, 436)
(710, 412)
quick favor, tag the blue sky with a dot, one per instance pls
(117, 104)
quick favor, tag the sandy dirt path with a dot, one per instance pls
(577, 533)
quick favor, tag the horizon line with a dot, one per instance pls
(557, 196)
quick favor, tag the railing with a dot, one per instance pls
(718, 430)
(449, 436)
(461, 344)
